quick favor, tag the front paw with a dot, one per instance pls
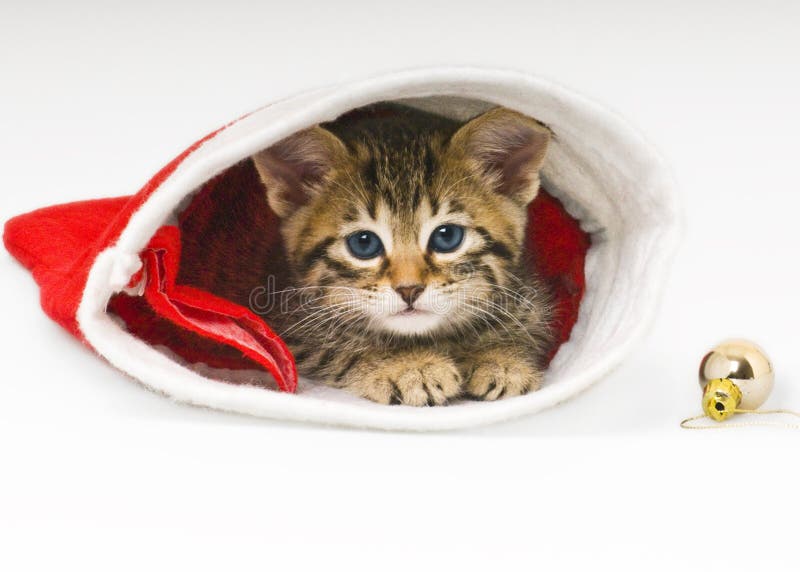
(495, 375)
(410, 379)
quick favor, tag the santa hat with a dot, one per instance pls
(147, 281)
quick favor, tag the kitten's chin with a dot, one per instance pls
(410, 323)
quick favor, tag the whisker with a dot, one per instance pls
(309, 319)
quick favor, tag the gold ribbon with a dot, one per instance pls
(687, 423)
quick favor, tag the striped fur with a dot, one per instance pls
(480, 326)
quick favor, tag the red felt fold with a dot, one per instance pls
(239, 339)
(199, 275)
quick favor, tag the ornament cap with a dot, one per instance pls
(721, 399)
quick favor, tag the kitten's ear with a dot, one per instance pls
(507, 147)
(293, 168)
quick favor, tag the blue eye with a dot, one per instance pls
(446, 238)
(364, 244)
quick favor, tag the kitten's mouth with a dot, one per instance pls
(412, 312)
(411, 321)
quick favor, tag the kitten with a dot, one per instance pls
(405, 237)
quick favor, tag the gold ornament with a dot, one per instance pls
(736, 375)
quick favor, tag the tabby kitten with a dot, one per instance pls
(405, 233)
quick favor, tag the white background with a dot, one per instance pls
(98, 474)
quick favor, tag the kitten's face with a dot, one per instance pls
(411, 238)
(409, 269)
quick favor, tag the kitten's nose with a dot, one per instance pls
(410, 293)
